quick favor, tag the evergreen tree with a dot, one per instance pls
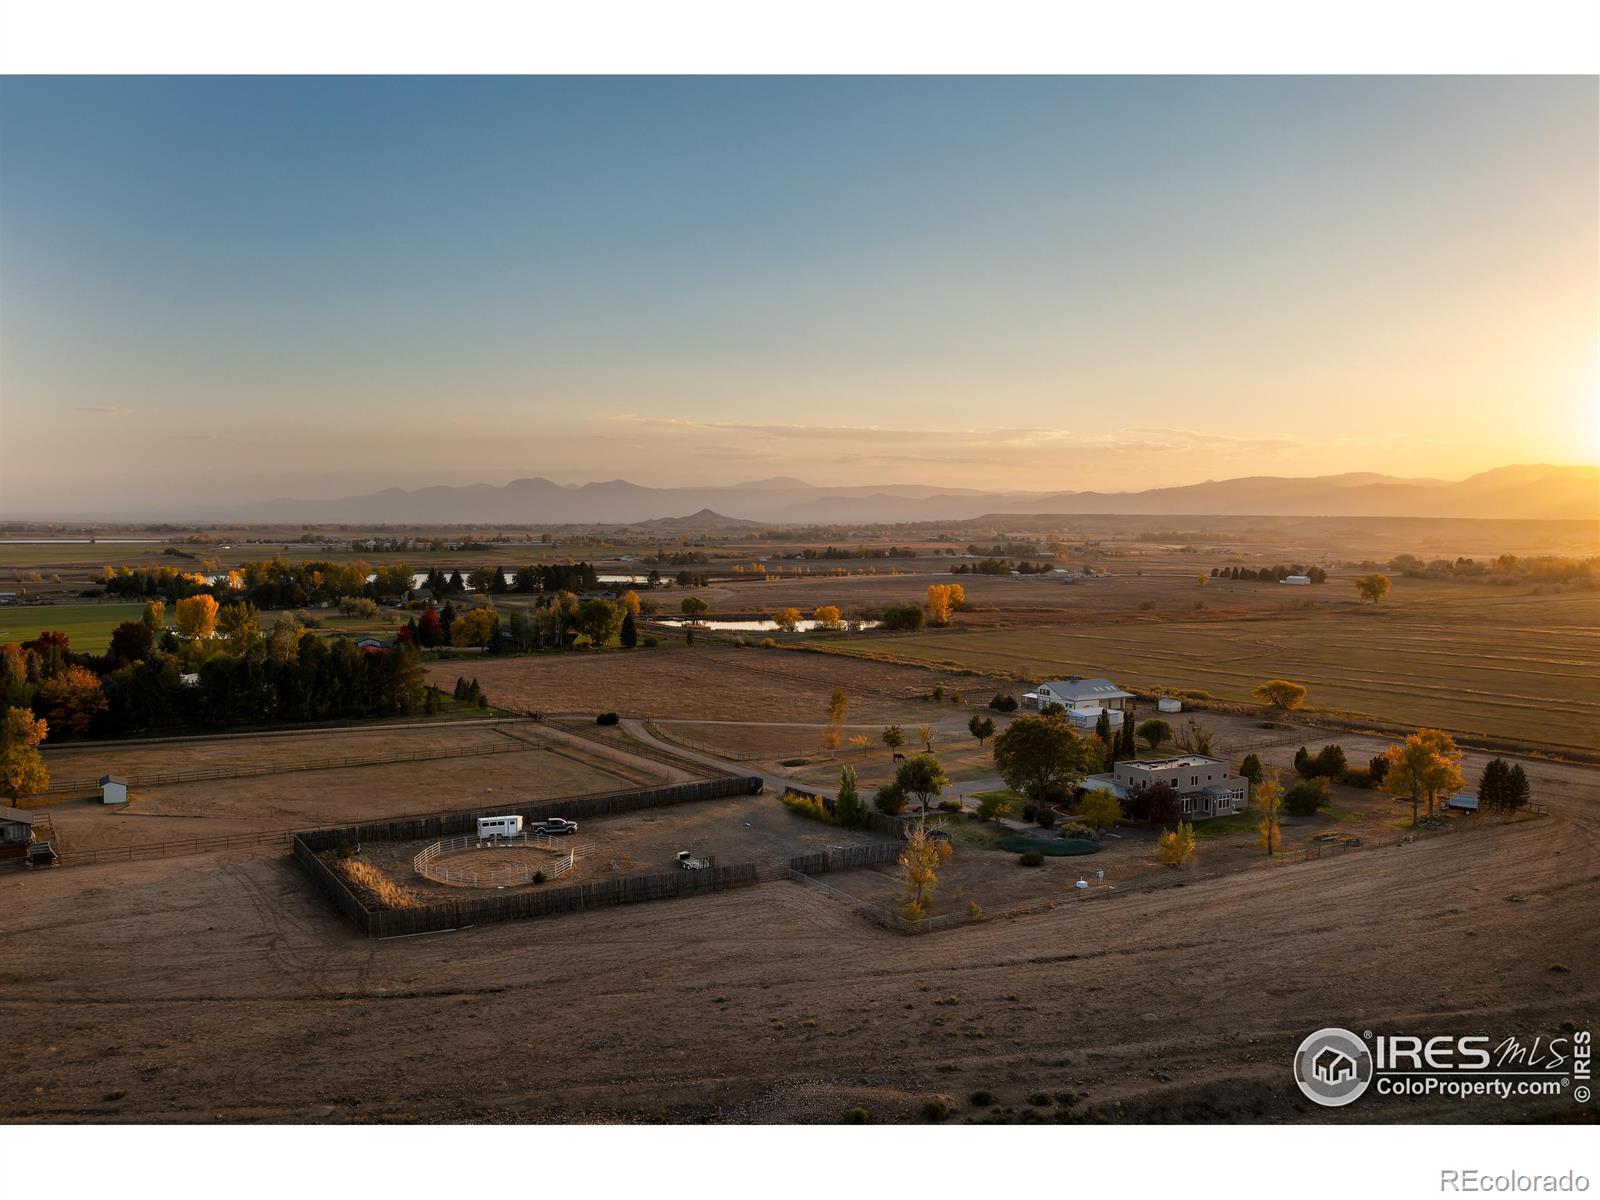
(1302, 761)
(629, 636)
(1518, 792)
(1492, 785)
(848, 809)
(1102, 728)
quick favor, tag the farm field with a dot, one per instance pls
(1525, 667)
(87, 626)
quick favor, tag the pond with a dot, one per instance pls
(805, 626)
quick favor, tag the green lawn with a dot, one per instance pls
(87, 626)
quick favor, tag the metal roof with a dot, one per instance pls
(1086, 689)
(20, 816)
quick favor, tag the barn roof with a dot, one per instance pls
(105, 779)
(18, 815)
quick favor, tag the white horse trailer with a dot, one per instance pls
(493, 827)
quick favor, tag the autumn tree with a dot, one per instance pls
(1267, 798)
(827, 616)
(1175, 847)
(1100, 810)
(1281, 694)
(1041, 757)
(1372, 587)
(693, 606)
(787, 619)
(72, 700)
(838, 706)
(980, 727)
(131, 642)
(22, 769)
(155, 615)
(600, 620)
(925, 736)
(1424, 766)
(475, 627)
(943, 599)
(994, 805)
(197, 616)
(630, 602)
(919, 869)
(240, 623)
(893, 736)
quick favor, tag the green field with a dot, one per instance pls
(87, 626)
(1481, 661)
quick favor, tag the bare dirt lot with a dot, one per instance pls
(223, 988)
(532, 770)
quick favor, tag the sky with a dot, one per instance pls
(261, 287)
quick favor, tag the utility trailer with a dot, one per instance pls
(689, 862)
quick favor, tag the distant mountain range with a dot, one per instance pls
(1526, 492)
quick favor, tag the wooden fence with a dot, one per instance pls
(172, 849)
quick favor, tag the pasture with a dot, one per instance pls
(87, 626)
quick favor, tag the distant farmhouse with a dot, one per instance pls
(1206, 788)
(1084, 700)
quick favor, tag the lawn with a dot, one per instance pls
(87, 626)
(1475, 660)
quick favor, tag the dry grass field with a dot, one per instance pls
(1466, 659)
(223, 988)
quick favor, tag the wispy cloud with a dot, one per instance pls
(114, 410)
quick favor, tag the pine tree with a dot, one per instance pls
(1492, 785)
(1518, 792)
(629, 636)
(1102, 728)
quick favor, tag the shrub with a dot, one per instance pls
(903, 616)
(1175, 847)
(889, 799)
(950, 804)
(372, 885)
(1031, 859)
(1001, 702)
(539, 877)
(856, 1116)
(1077, 829)
(981, 1098)
(1046, 816)
(1040, 1099)
(769, 643)
(1305, 797)
(1030, 811)
(608, 718)
(1147, 606)
(1100, 809)
(344, 850)
(807, 806)
(1250, 768)
(935, 1109)
(993, 805)
(652, 642)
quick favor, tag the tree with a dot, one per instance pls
(240, 623)
(1102, 728)
(1267, 797)
(993, 805)
(430, 632)
(940, 603)
(889, 799)
(787, 619)
(1126, 749)
(600, 620)
(1154, 732)
(1154, 800)
(893, 736)
(919, 865)
(1518, 791)
(475, 627)
(1425, 765)
(1281, 694)
(630, 602)
(1377, 768)
(1175, 847)
(980, 727)
(838, 706)
(903, 616)
(1100, 809)
(925, 736)
(131, 642)
(1251, 769)
(1372, 587)
(197, 616)
(1492, 785)
(921, 778)
(22, 769)
(1041, 757)
(848, 809)
(629, 633)
(1329, 763)
(155, 615)
(693, 606)
(1308, 795)
(827, 616)
(72, 700)
(1194, 738)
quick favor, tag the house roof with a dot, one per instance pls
(1175, 762)
(20, 816)
(105, 779)
(1087, 689)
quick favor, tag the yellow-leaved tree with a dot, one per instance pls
(787, 619)
(919, 869)
(1267, 796)
(838, 706)
(1425, 766)
(1175, 847)
(197, 616)
(827, 616)
(22, 769)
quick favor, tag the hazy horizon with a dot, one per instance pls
(254, 288)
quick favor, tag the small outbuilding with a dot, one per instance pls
(16, 826)
(1169, 704)
(113, 789)
(1297, 580)
(1463, 802)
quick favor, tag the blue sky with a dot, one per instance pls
(317, 286)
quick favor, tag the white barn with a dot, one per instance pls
(113, 789)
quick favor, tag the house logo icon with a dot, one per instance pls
(1333, 1067)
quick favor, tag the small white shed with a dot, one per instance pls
(1296, 580)
(1168, 704)
(113, 789)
